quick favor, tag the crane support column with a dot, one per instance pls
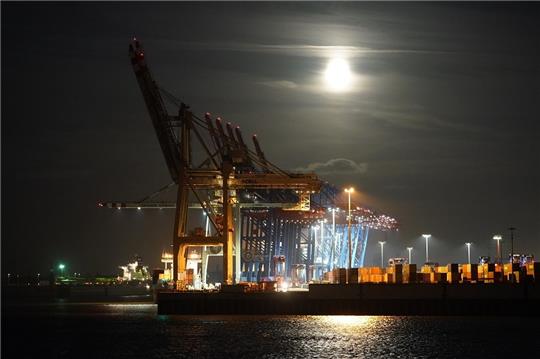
(176, 259)
(227, 226)
(237, 241)
(182, 199)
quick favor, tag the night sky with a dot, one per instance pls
(441, 128)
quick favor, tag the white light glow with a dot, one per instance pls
(347, 320)
(338, 76)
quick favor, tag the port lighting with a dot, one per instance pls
(61, 266)
(410, 254)
(512, 229)
(498, 238)
(427, 236)
(382, 253)
(349, 191)
(468, 244)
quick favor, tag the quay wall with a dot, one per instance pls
(364, 299)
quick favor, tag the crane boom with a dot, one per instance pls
(156, 109)
(260, 153)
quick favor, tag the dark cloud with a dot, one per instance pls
(335, 167)
(280, 84)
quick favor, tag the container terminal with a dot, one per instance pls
(252, 238)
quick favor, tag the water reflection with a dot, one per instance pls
(349, 321)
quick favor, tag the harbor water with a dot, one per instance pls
(134, 330)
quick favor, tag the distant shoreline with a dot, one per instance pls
(13, 295)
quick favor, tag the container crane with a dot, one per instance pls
(229, 167)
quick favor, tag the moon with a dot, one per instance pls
(338, 76)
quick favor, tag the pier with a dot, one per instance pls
(364, 299)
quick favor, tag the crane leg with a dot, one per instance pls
(237, 243)
(228, 228)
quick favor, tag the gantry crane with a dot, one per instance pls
(227, 173)
(275, 212)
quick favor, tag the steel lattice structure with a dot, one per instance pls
(317, 240)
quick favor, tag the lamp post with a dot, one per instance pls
(61, 266)
(315, 253)
(322, 243)
(498, 238)
(468, 244)
(512, 229)
(382, 253)
(315, 242)
(426, 236)
(206, 224)
(349, 191)
(333, 251)
(410, 254)
(333, 221)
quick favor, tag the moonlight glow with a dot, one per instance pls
(338, 75)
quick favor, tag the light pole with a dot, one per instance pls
(498, 238)
(334, 237)
(333, 252)
(339, 248)
(382, 253)
(333, 221)
(206, 224)
(349, 191)
(61, 266)
(468, 244)
(512, 229)
(426, 236)
(316, 242)
(323, 243)
(410, 254)
(315, 253)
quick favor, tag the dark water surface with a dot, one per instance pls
(67, 330)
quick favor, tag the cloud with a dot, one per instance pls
(418, 119)
(281, 84)
(303, 50)
(335, 166)
(309, 50)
